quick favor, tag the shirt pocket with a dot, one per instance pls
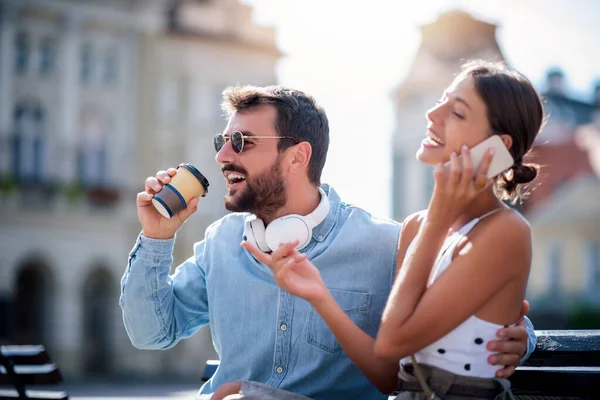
(355, 304)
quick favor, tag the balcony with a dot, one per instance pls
(47, 195)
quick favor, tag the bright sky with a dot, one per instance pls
(351, 54)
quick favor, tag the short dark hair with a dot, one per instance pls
(514, 107)
(298, 115)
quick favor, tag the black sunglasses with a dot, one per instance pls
(237, 140)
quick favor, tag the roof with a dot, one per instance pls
(577, 200)
(564, 108)
(559, 163)
(220, 21)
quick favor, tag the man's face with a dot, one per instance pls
(253, 177)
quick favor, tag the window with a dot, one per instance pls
(554, 268)
(47, 54)
(93, 154)
(29, 145)
(166, 100)
(110, 68)
(22, 47)
(86, 62)
(592, 260)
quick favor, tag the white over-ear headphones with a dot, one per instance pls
(286, 229)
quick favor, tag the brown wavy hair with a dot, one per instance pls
(514, 107)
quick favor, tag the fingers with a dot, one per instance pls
(299, 257)
(467, 167)
(143, 199)
(469, 177)
(509, 352)
(439, 175)
(517, 333)
(283, 251)
(191, 208)
(512, 349)
(480, 182)
(281, 271)
(505, 372)
(259, 255)
(455, 170)
(154, 184)
(484, 166)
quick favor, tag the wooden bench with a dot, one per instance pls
(564, 365)
(26, 372)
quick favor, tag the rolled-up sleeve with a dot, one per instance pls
(531, 339)
(160, 309)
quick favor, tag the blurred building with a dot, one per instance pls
(96, 95)
(564, 207)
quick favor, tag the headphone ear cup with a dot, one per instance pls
(288, 229)
(255, 234)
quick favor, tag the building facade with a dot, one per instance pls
(94, 97)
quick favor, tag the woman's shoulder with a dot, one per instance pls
(411, 225)
(507, 231)
(509, 221)
(415, 219)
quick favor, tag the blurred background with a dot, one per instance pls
(96, 95)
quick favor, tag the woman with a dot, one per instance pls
(463, 264)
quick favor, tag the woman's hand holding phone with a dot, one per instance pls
(455, 187)
(502, 160)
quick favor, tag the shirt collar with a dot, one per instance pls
(321, 231)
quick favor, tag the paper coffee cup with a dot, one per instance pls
(187, 183)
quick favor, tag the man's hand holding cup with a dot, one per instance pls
(169, 199)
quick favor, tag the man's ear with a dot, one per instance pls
(507, 139)
(300, 156)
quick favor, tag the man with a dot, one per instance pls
(272, 153)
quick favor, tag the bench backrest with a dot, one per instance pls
(30, 365)
(566, 348)
(564, 363)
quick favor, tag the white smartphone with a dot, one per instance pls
(501, 161)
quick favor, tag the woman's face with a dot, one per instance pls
(459, 118)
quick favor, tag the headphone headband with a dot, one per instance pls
(321, 212)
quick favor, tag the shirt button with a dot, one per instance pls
(279, 370)
(283, 327)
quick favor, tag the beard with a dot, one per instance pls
(263, 195)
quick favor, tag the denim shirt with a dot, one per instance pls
(260, 332)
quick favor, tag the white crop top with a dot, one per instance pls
(463, 350)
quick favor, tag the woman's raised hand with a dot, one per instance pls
(455, 189)
(292, 271)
